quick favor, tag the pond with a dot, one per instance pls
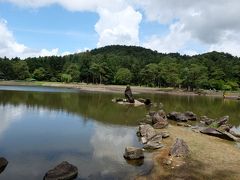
(40, 127)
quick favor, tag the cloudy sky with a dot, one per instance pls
(58, 27)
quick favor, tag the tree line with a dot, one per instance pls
(129, 65)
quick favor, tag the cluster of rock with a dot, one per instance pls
(63, 171)
(129, 99)
(152, 139)
(219, 128)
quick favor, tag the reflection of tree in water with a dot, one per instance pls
(98, 106)
(88, 105)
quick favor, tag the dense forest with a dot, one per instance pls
(129, 65)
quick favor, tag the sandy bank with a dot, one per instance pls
(210, 158)
(117, 88)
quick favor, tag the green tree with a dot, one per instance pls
(97, 71)
(73, 70)
(149, 74)
(39, 74)
(123, 76)
(67, 78)
(21, 70)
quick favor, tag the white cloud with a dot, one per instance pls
(118, 22)
(205, 22)
(173, 42)
(119, 27)
(11, 48)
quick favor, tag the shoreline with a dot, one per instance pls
(119, 88)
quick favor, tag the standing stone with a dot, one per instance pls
(63, 171)
(128, 94)
(133, 153)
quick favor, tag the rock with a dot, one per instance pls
(217, 133)
(159, 119)
(177, 116)
(161, 124)
(225, 127)
(182, 117)
(154, 143)
(183, 124)
(63, 171)
(235, 132)
(164, 134)
(207, 121)
(190, 116)
(234, 138)
(3, 164)
(133, 153)
(179, 149)
(145, 101)
(222, 121)
(146, 132)
(128, 94)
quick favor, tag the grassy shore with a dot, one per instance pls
(119, 88)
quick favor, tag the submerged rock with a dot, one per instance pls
(133, 153)
(179, 149)
(3, 164)
(63, 171)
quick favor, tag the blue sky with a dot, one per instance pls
(57, 27)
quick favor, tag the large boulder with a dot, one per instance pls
(177, 116)
(215, 132)
(63, 171)
(132, 153)
(128, 94)
(3, 164)
(159, 119)
(179, 149)
(146, 132)
(182, 117)
(190, 116)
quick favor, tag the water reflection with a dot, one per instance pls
(40, 129)
(37, 139)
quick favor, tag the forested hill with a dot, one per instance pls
(129, 65)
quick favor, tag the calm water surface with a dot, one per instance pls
(41, 127)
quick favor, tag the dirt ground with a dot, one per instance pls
(210, 158)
